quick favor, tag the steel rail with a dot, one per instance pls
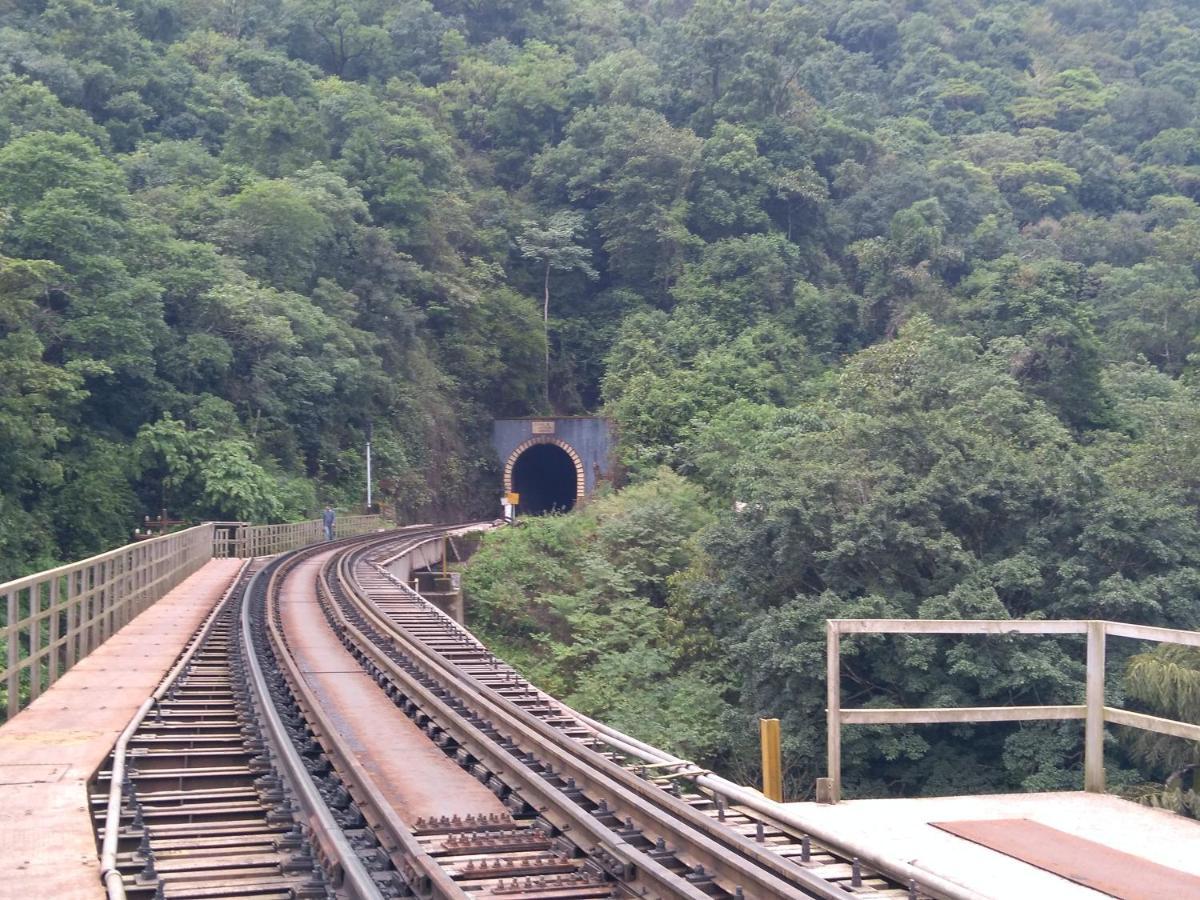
(507, 764)
(726, 854)
(425, 876)
(712, 842)
(898, 870)
(110, 875)
(901, 871)
(738, 795)
(348, 873)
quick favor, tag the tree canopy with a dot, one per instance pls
(913, 286)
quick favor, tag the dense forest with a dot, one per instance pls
(912, 286)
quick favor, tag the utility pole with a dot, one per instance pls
(370, 430)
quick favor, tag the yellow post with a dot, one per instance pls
(772, 759)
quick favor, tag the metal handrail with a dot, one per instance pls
(50, 620)
(53, 619)
(66, 568)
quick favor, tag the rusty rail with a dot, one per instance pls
(110, 875)
(242, 540)
(726, 854)
(381, 818)
(356, 881)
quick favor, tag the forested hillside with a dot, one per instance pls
(916, 283)
(916, 286)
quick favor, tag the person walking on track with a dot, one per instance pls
(328, 519)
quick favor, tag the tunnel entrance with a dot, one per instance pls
(545, 477)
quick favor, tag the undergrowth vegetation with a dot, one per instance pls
(583, 604)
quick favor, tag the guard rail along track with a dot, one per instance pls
(240, 785)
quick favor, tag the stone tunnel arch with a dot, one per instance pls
(547, 473)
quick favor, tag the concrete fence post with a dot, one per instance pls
(1093, 735)
(829, 789)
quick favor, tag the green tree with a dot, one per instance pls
(279, 230)
(1166, 681)
(732, 185)
(1151, 309)
(202, 472)
(582, 604)
(339, 34)
(1039, 317)
(553, 244)
(631, 170)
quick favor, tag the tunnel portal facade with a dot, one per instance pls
(552, 462)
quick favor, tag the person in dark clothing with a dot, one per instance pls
(327, 519)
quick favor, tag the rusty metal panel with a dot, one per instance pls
(1096, 866)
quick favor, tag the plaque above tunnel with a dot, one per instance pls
(552, 462)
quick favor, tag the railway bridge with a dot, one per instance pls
(232, 711)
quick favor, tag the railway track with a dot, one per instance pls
(655, 807)
(200, 804)
(276, 763)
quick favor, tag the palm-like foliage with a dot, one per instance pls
(1166, 681)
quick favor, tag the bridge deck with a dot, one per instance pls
(50, 750)
(902, 829)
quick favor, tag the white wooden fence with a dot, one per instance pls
(1094, 712)
(53, 619)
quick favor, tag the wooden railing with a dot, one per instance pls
(1093, 711)
(51, 620)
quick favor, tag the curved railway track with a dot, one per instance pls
(329, 733)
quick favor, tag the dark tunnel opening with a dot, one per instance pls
(544, 476)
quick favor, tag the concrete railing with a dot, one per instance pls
(1093, 712)
(51, 620)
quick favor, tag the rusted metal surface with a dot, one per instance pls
(510, 853)
(1093, 865)
(419, 764)
(51, 749)
(53, 619)
(315, 795)
(534, 745)
(122, 765)
(415, 777)
(423, 765)
(201, 811)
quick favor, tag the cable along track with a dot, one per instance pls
(644, 822)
